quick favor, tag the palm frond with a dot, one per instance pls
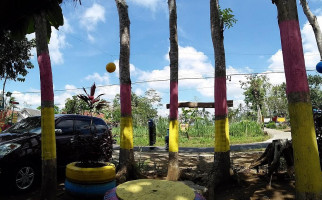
(85, 91)
(93, 90)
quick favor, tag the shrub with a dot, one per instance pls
(245, 129)
(271, 125)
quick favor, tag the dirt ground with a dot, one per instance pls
(195, 170)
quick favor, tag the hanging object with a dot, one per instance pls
(110, 67)
(319, 67)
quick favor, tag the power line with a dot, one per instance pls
(159, 80)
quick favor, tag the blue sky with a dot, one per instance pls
(90, 39)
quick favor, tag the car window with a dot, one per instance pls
(25, 126)
(82, 126)
(99, 122)
(66, 125)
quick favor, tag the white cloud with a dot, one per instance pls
(58, 42)
(92, 16)
(139, 92)
(96, 77)
(150, 4)
(311, 55)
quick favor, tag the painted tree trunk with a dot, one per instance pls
(314, 23)
(222, 147)
(173, 166)
(48, 141)
(126, 165)
(306, 157)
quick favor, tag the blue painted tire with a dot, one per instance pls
(88, 190)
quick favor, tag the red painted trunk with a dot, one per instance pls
(173, 100)
(125, 98)
(221, 108)
(46, 80)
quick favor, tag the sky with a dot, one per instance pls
(89, 39)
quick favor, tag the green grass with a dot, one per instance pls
(200, 135)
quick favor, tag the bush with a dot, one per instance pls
(271, 125)
(245, 129)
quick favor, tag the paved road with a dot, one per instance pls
(275, 134)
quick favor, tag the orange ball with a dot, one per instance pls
(110, 67)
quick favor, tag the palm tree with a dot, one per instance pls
(173, 167)
(305, 150)
(220, 19)
(126, 158)
(21, 18)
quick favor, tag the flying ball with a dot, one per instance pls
(110, 67)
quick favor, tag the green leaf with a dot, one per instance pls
(55, 15)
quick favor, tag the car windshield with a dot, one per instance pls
(28, 125)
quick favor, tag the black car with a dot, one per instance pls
(20, 147)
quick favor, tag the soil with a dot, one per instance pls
(195, 170)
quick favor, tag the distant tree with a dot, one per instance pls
(143, 108)
(255, 89)
(276, 100)
(56, 109)
(14, 58)
(315, 85)
(75, 106)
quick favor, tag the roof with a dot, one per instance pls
(31, 112)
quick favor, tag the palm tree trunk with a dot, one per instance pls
(48, 141)
(314, 23)
(306, 157)
(173, 166)
(221, 165)
(126, 166)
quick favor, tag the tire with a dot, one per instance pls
(90, 175)
(24, 177)
(88, 190)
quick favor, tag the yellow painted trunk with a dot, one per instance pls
(222, 143)
(126, 135)
(306, 155)
(48, 143)
(174, 136)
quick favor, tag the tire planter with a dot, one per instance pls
(89, 182)
(90, 175)
(88, 191)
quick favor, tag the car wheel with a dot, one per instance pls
(24, 177)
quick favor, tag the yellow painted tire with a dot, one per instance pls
(90, 175)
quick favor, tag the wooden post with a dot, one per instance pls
(48, 141)
(306, 157)
(173, 167)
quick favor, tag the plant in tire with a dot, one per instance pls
(97, 149)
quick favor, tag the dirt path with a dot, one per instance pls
(277, 134)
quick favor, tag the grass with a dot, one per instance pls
(200, 136)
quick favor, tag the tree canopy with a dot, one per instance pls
(15, 57)
(143, 107)
(315, 84)
(255, 88)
